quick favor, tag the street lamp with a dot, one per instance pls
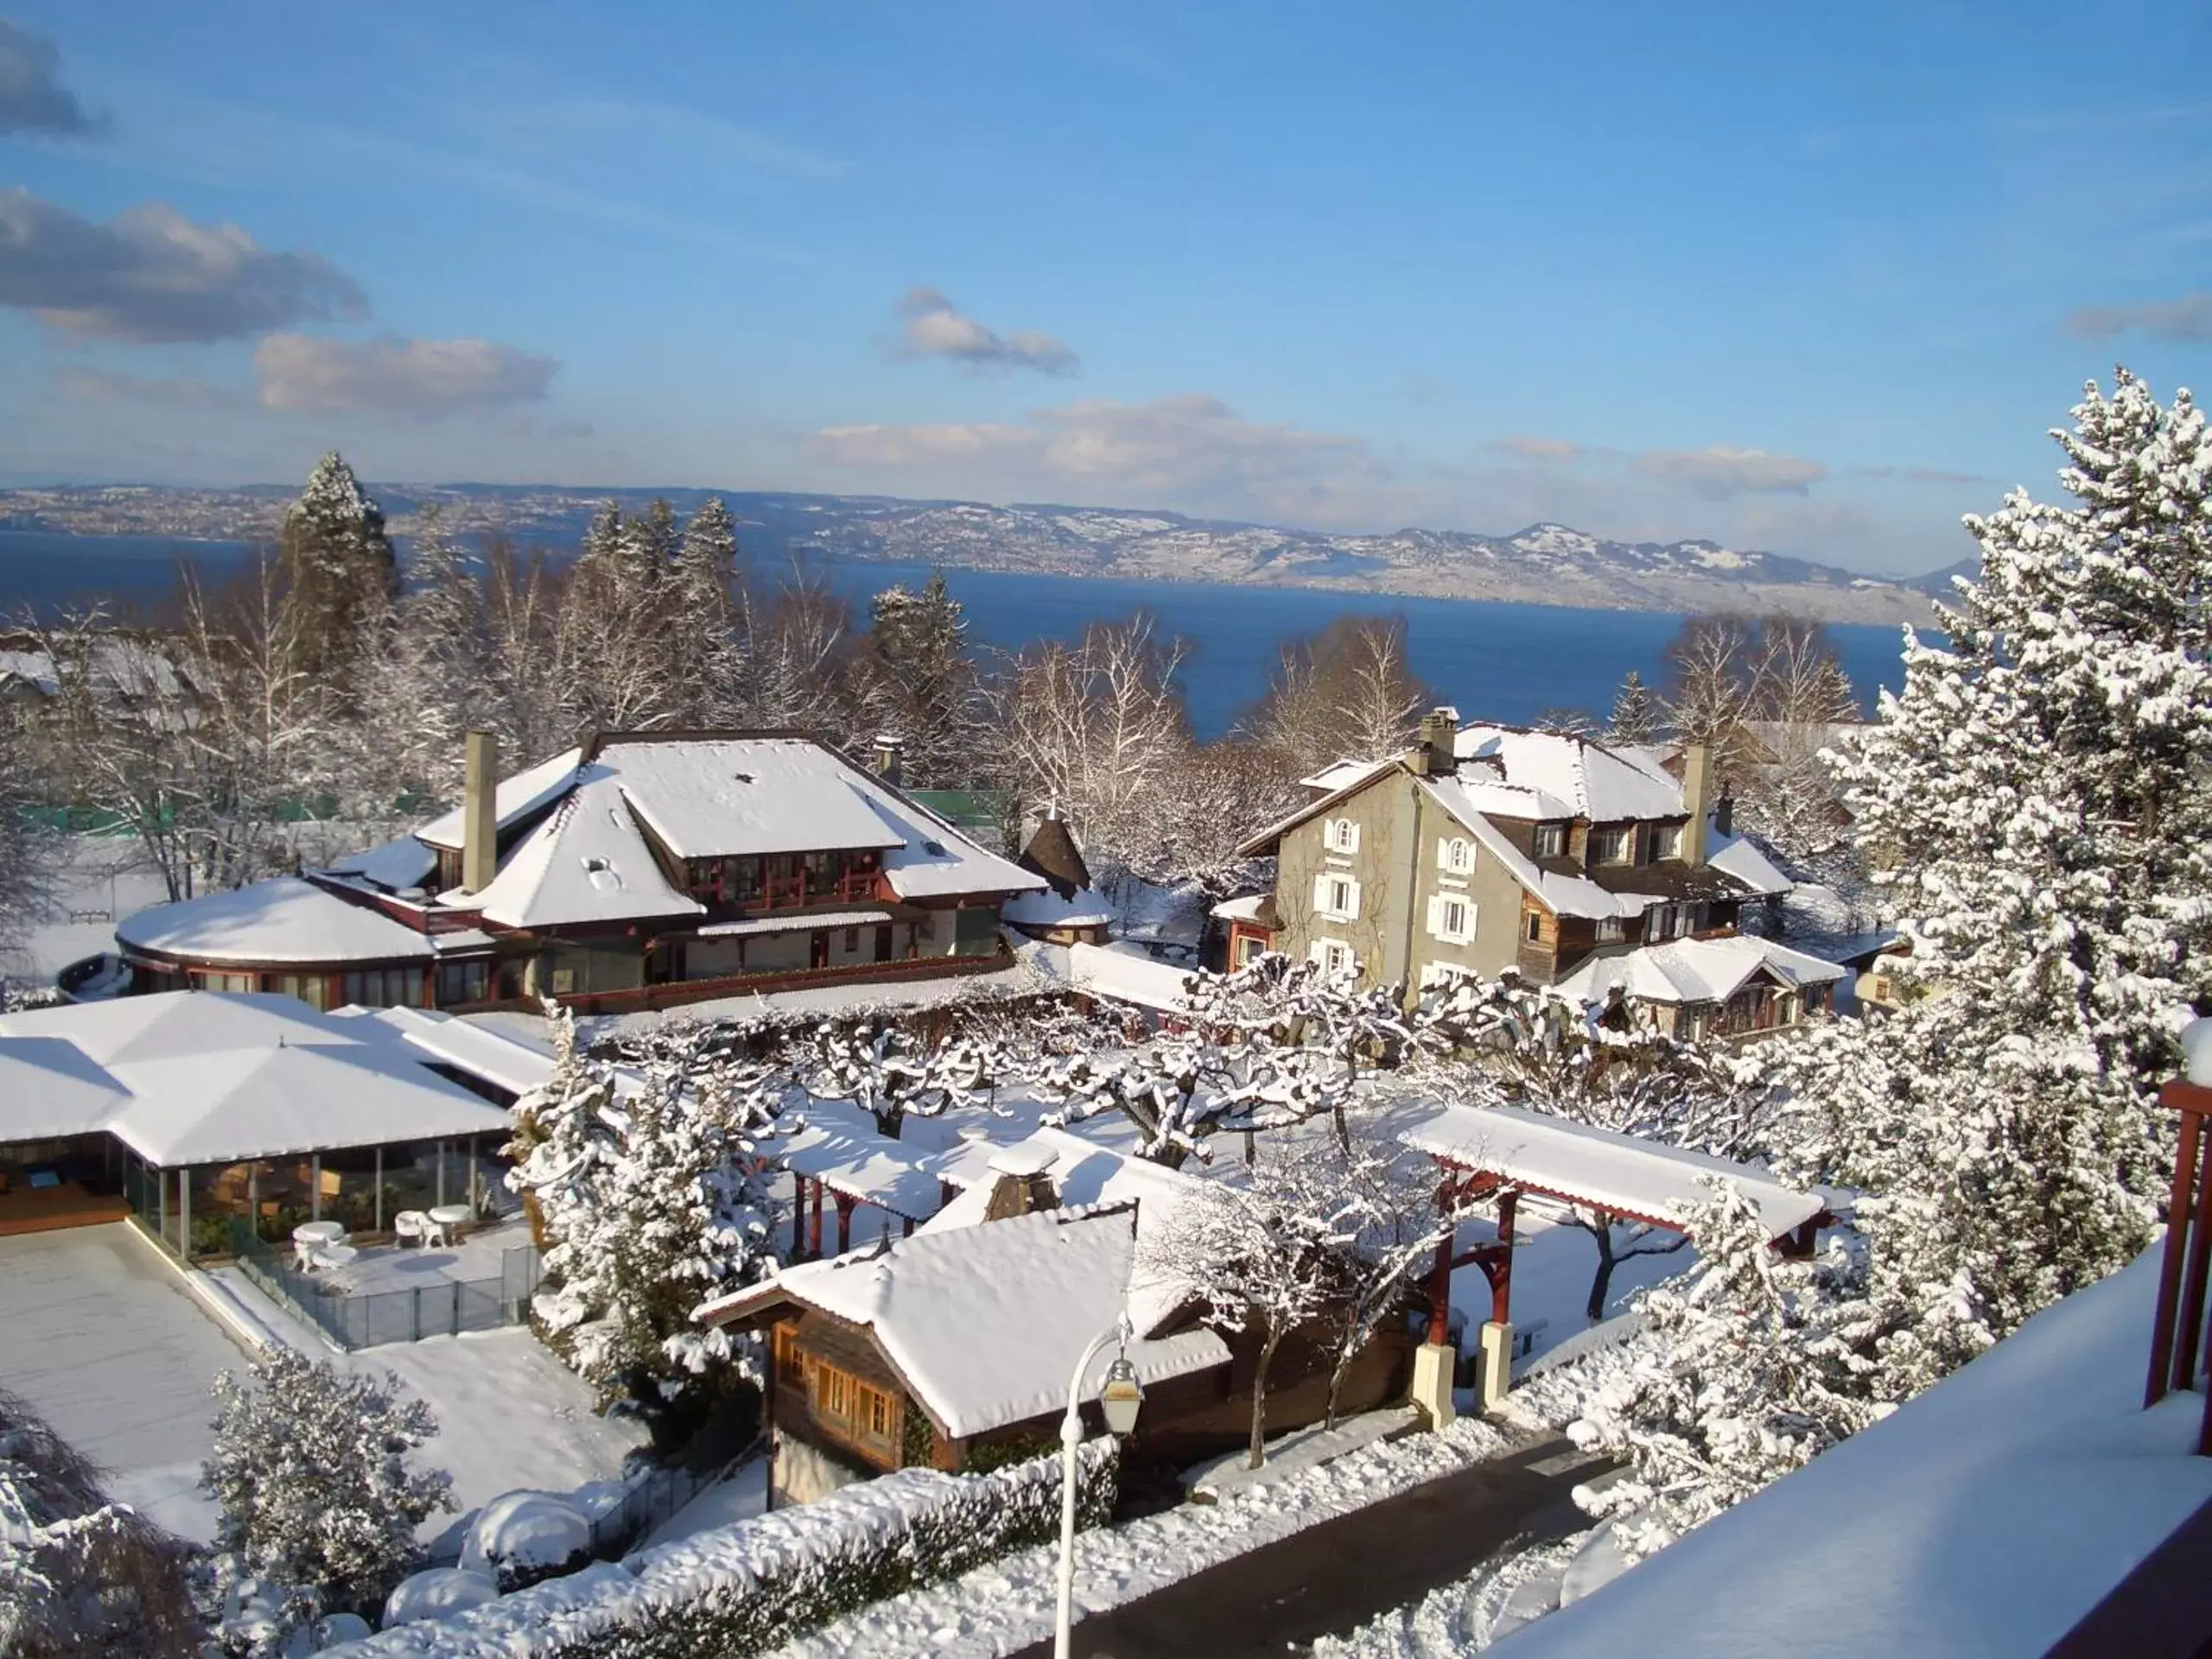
(1120, 1400)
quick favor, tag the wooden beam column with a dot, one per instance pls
(845, 1208)
(1500, 1275)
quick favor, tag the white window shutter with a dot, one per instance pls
(1467, 922)
(1436, 917)
(1444, 852)
(1321, 892)
(1351, 902)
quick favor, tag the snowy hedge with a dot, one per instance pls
(743, 1588)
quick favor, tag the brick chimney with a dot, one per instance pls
(890, 759)
(1439, 732)
(479, 815)
(1020, 1183)
(1697, 799)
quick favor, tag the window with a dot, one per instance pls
(313, 989)
(843, 1402)
(1334, 955)
(1450, 918)
(1551, 840)
(1455, 855)
(783, 1347)
(852, 941)
(1668, 841)
(1341, 836)
(1337, 897)
(468, 981)
(1536, 927)
(381, 988)
(214, 982)
(1250, 947)
(1616, 845)
(1611, 931)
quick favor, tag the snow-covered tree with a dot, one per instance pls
(29, 849)
(1256, 1257)
(702, 650)
(80, 1575)
(892, 1073)
(646, 1190)
(918, 683)
(1745, 1370)
(1347, 693)
(2037, 806)
(311, 1477)
(1636, 717)
(340, 573)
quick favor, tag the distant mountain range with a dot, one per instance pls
(1546, 563)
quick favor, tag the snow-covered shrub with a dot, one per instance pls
(437, 1592)
(520, 1537)
(78, 1574)
(311, 1472)
(755, 1585)
(649, 1206)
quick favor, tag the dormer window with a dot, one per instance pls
(1613, 845)
(1667, 842)
(1340, 836)
(1551, 840)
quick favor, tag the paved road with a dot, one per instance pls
(1280, 1599)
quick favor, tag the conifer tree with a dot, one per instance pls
(702, 646)
(338, 571)
(921, 683)
(1635, 715)
(2036, 805)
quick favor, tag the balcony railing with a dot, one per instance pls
(2179, 1347)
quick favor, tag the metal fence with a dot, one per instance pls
(440, 1308)
(648, 1502)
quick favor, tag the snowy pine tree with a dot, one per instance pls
(2035, 806)
(1745, 1370)
(701, 650)
(1636, 713)
(340, 573)
(649, 1202)
(311, 1475)
(920, 683)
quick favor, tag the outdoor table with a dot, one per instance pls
(335, 1255)
(448, 1216)
(310, 1236)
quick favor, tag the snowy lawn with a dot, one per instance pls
(1006, 1606)
(510, 1416)
(99, 1335)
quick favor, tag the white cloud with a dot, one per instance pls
(934, 327)
(1541, 449)
(392, 375)
(1720, 471)
(151, 274)
(1189, 451)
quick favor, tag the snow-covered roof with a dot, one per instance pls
(1252, 908)
(1563, 894)
(1688, 971)
(53, 1089)
(1604, 1168)
(1984, 1517)
(586, 862)
(1083, 1173)
(514, 798)
(1558, 776)
(287, 919)
(1048, 909)
(716, 797)
(396, 865)
(860, 1164)
(985, 1323)
(1343, 773)
(1122, 973)
(798, 922)
(208, 1076)
(498, 1055)
(1733, 856)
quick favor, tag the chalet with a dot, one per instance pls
(1726, 987)
(1487, 848)
(636, 871)
(952, 1348)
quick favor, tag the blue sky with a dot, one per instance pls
(1809, 278)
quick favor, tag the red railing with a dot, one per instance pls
(675, 993)
(2177, 1345)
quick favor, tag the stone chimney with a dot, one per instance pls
(1697, 799)
(1020, 1183)
(890, 759)
(1440, 732)
(479, 814)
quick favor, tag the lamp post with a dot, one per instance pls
(1119, 1399)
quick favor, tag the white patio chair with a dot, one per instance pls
(410, 1225)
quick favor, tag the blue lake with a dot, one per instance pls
(1495, 661)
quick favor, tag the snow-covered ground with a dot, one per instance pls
(100, 883)
(740, 1496)
(1511, 1589)
(100, 1335)
(511, 1416)
(1001, 1608)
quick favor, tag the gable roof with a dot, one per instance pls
(1052, 853)
(985, 1323)
(1690, 971)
